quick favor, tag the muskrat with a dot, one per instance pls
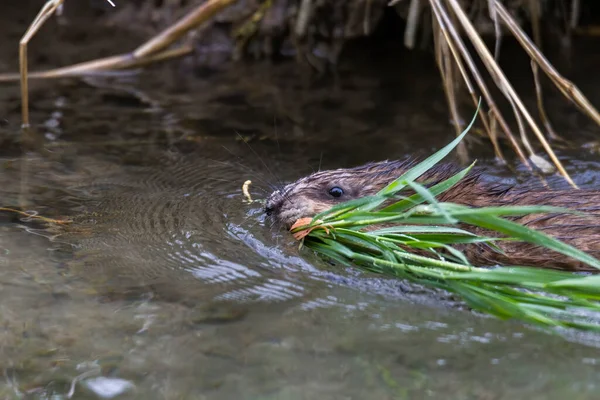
(321, 190)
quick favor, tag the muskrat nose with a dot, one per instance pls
(273, 202)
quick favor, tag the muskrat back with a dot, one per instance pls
(320, 191)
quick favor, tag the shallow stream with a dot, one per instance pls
(168, 285)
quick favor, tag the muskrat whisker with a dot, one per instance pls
(262, 190)
(276, 134)
(260, 159)
(245, 169)
(251, 226)
(216, 179)
(320, 161)
(228, 180)
(249, 229)
(273, 223)
(285, 193)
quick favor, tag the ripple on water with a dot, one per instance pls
(181, 230)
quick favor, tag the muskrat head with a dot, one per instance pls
(320, 191)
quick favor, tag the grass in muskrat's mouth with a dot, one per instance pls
(546, 298)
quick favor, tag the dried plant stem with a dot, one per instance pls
(503, 83)
(46, 11)
(448, 28)
(446, 68)
(412, 23)
(491, 132)
(568, 89)
(575, 10)
(303, 17)
(190, 21)
(150, 52)
(112, 63)
(540, 102)
(535, 13)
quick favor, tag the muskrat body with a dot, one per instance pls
(320, 191)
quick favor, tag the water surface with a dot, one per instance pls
(167, 284)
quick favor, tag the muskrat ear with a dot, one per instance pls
(336, 191)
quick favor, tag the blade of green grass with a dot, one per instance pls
(529, 235)
(435, 190)
(587, 284)
(428, 163)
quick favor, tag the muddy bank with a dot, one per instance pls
(315, 33)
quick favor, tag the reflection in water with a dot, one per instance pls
(169, 281)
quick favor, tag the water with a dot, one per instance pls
(167, 284)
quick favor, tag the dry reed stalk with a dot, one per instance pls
(502, 82)
(45, 12)
(489, 129)
(575, 11)
(457, 43)
(535, 13)
(455, 54)
(150, 52)
(187, 23)
(412, 22)
(540, 102)
(33, 215)
(446, 68)
(102, 65)
(568, 89)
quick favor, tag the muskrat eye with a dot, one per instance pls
(336, 191)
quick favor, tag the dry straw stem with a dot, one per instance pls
(447, 71)
(47, 10)
(102, 65)
(459, 50)
(449, 32)
(190, 21)
(568, 89)
(504, 85)
(150, 52)
(442, 44)
(535, 15)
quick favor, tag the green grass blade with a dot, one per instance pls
(430, 198)
(415, 229)
(428, 163)
(523, 276)
(529, 235)
(587, 284)
(504, 211)
(435, 190)
(340, 209)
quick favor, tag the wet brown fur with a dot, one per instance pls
(309, 196)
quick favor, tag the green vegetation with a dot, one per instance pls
(544, 297)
